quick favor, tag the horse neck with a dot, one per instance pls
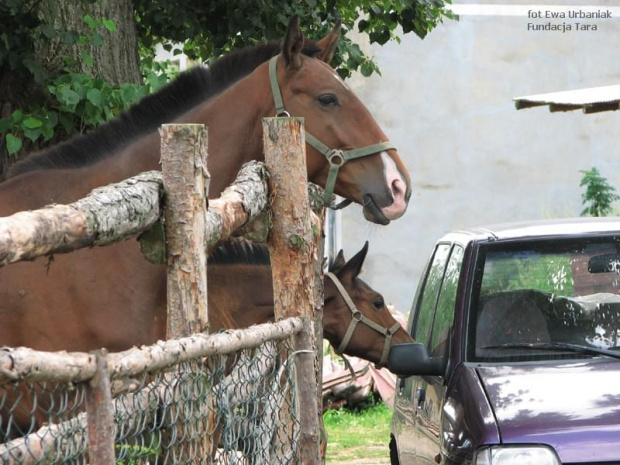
(234, 122)
(239, 295)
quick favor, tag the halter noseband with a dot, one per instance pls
(335, 157)
(357, 317)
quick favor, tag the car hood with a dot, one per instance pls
(573, 407)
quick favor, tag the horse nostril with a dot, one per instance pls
(398, 188)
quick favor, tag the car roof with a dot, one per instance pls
(530, 229)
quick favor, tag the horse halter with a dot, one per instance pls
(335, 157)
(357, 317)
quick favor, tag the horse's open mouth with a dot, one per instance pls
(372, 212)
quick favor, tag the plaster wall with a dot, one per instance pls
(446, 101)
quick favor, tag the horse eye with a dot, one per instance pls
(378, 304)
(328, 100)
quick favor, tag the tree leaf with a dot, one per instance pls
(128, 93)
(32, 123)
(6, 123)
(66, 119)
(109, 25)
(32, 134)
(13, 144)
(18, 116)
(70, 97)
(96, 40)
(88, 58)
(47, 132)
(88, 19)
(94, 97)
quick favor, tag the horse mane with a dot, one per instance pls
(244, 252)
(189, 89)
(240, 252)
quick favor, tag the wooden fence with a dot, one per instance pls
(134, 207)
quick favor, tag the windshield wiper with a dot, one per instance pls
(557, 346)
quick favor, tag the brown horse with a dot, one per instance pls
(41, 303)
(240, 295)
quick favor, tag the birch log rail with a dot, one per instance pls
(23, 364)
(119, 211)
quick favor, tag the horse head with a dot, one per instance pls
(348, 152)
(356, 320)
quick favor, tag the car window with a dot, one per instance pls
(426, 309)
(444, 315)
(545, 293)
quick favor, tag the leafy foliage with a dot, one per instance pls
(599, 195)
(74, 101)
(217, 26)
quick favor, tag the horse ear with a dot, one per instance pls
(328, 44)
(338, 262)
(293, 43)
(354, 266)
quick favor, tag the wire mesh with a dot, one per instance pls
(238, 408)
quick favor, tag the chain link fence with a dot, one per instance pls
(239, 408)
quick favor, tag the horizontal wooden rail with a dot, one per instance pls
(23, 364)
(119, 211)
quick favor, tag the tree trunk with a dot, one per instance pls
(117, 60)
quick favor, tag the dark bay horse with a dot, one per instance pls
(240, 295)
(116, 283)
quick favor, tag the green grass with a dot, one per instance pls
(362, 434)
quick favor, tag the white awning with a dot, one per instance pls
(590, 100)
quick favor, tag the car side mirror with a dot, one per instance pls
(413, 359)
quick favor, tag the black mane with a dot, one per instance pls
(189, 89)
(240, 252)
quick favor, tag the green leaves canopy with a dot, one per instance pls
(205, 28)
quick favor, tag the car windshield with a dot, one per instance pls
(540, 300)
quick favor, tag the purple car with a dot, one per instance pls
(516, 360)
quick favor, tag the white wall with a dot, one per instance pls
(446, 101)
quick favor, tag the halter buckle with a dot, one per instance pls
(335, 157)
(283, 114)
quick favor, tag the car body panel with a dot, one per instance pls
(573, 405)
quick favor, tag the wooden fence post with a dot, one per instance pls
(100, 414)
(292, 248)
(186, 184)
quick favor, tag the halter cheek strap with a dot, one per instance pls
(357, 317)
(335, 157)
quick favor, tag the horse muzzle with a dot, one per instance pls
(387, 206)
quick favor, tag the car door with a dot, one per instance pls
(430, 391)
(407, 398)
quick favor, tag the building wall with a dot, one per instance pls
(446, 101)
